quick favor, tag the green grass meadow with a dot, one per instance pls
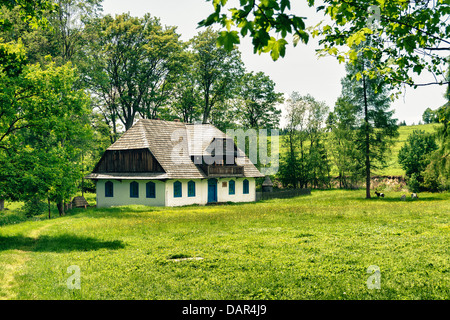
(310, 247)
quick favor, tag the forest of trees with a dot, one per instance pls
(80, 78)
(73, 80)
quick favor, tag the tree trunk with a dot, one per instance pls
(292, 156)
(206, 107)
(49, 214)
(114, 125)
(2, 204)
(82, 174)
(367, 140)
(60, 206)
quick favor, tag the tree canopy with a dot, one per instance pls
(414, 34)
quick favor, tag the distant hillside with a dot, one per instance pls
(393, 168)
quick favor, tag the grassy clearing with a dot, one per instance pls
(310, 247)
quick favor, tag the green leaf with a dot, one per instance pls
(228, 39)
(332, 51)
(418, 69)
(212, 18)
(228, 23)
(353, 55)
(245, 26)
(277, 48)
(270, 4)
(301, 35)
(285, 4)
(298, 23)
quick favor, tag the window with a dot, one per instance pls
(150, 190)
(246, 187)
(134, 190)
(109, 189)
(231, 186)
(177, 189)
(191, 189)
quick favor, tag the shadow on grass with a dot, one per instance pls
(63, 243)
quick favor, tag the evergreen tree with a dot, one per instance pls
(376, 125)
(343, 124)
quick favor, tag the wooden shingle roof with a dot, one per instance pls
(172, 144)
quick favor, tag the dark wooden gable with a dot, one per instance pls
(131, 160)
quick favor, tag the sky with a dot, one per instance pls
(300, 70)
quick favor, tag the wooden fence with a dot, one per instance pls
(282, 194)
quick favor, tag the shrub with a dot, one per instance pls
(433, 180)
(413, 157)
(33, 207)
(413, 183)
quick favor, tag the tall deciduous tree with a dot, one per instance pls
(185, 90)
(63, 39)
(429, 116)
(129, 66)
(291, 170)
(318, 173)
(12, 58)
(306, 161)
(68, 22)
(217, 70)
(259, 101)
(44, 124)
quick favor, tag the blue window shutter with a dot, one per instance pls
(151, 189)
(134, 190)
(231, 187)
(177, 192)
(191, 189)
(109, 189)
(246, 187)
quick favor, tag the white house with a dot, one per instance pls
(163, 163)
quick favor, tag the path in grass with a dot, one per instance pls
(14, 263)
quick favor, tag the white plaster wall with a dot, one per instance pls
(238, 196)
(201, 193)
(122, 194)
(164, 193)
